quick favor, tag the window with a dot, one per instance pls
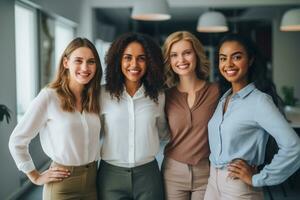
(63, 36)
(26, 57)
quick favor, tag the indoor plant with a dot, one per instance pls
(4, 112)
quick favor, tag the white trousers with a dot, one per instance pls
(221, 187)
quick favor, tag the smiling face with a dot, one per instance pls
(82, 66)
(234, 63)
(183, 59)
(133, 63)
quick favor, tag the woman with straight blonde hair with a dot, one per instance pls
(66, 116)
(190, 102)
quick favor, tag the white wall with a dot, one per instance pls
(286, 54)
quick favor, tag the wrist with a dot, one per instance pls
(33, 176)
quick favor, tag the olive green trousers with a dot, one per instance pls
(81, 185)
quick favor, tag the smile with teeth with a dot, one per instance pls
(134, 71)
(231, 72)
(183, 66)
(84, 74)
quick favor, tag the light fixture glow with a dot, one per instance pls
(291, 20)
(150, 10)
(212, 22)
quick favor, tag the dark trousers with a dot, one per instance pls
(138, 183)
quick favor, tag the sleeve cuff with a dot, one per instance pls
(258, 180)
(26, 167)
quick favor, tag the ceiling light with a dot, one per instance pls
(212, 22)
(150, 10)
(291, 20)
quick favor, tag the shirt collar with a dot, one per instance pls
(242, 93)
(139, 93)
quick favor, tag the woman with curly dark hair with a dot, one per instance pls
(247, 114)
(133, 120)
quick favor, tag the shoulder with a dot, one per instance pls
(261, 99)
(170, 91)
(213, 90)
(213, 87)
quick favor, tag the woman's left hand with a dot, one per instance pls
(242, 170)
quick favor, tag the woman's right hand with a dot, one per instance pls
(53, 174)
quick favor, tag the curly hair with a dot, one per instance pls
(258, 73)
(203, 65)
(91, 91)
(152, 80)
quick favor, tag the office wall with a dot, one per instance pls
(286, 52)
(71, 10)
(8, 171)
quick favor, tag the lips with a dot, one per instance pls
(134, 71)
(183, 66)
(231, 72)
(84, 74)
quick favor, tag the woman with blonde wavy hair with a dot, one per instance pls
(66, 116)
(190, 102)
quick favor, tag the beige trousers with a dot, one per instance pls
(221, 187)
(183, 181)
(81, 185)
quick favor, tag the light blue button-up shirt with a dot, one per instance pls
(243, 131)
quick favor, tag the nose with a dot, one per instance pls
(133, 62)
(180, 58)
(229, 62)
(85, 65)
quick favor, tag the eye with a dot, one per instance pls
(236, 57)
(222, 59)
(78, 61)
(126, 57)
(91, 62)
(173, 55)
(141, 58)
(186, 53)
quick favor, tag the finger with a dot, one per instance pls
(59, 175)
(234, 170)
(54, 180)
(233, 175)
(241, 163)
(235, 165)
(59, 169)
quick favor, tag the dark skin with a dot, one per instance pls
(233, 65)
(240, 169)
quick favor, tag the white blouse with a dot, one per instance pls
(132, 128)
(68, 138)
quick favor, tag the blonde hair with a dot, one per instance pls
(91, 91)
(202, 68)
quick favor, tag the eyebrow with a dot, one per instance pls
(127, 54)
(237, 52)
(183, 50)
(81, 58)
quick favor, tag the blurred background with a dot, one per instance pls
(33, 34)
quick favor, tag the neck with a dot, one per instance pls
(132, 87)
(189, 83)
(238, 86)
(76, 90)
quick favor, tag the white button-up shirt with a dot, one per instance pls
(68, 138)
(132, 128)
